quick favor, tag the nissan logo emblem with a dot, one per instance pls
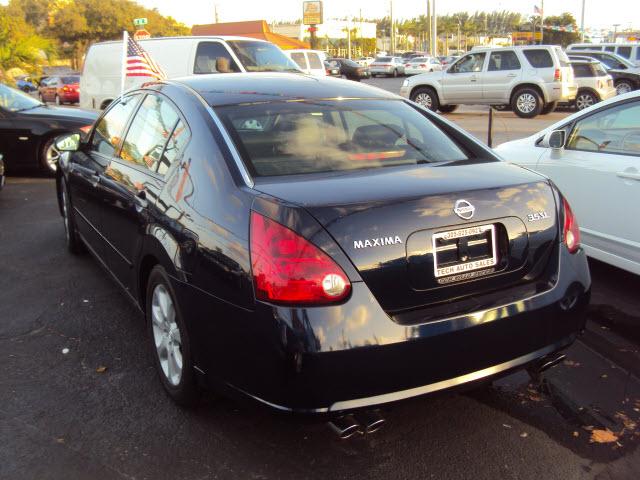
(464, 209)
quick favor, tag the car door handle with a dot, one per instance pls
(512, 75)
(629, 175)
(140, 200)
(473, 78)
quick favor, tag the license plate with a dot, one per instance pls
(485, 232)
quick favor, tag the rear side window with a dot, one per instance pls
(539, 58)
(213, 57)
(299, 58)
(153, 124)
(610, 49)
(175, 147)
(314, 60)
(581, 71)
(108, 133)
(506, 60)
(624, 52)
(288, 138)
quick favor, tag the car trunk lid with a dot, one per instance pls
(389, 222)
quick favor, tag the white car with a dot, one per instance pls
(310, 62)
(365, 61)
(593, 156)
(422, 65)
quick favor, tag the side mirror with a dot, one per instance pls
(68, 143)
(554, 139)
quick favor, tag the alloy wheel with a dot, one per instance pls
(584, 100)
(51, 156)
(623, 88)
(526, 103)
(166, 334)
(424, 99)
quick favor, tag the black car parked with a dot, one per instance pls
(319, 245)
(350, 69)
(28, 129)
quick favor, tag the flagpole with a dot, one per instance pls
(542, 23)
(125, 41)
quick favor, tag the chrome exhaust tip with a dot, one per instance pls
(551, 363)
(372, 420)
(345, 426)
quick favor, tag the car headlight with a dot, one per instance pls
(405, 83)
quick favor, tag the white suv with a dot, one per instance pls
(531, 80)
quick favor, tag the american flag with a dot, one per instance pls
(140, 64)
(537, 10)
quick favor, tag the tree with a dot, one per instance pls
(565, 38)
(20, 45)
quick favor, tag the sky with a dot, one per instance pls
(598, 13)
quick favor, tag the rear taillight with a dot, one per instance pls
(600, 84)
(570, 230)
(557, 75)
(66, 89)
(423, 65)
(289, 269)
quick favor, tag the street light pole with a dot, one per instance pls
(582, 23)
(392, 45)
(434, 28)
(615, 31)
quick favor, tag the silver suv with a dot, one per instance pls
(531, 80)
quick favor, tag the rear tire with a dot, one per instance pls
(41, 98)
(169, 340)
(585, 100)
(448, 108)
(623, 87)
(73, 241)
(526, 103)
(426, 97)
(58, 101)
(395, 73)
(548, 108)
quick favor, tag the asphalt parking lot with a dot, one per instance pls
(79, 397)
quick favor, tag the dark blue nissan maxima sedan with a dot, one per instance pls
(319, 245)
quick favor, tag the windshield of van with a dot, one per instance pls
(288, 138)
(262, 57)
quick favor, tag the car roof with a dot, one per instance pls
(584, 61)
(220, 89)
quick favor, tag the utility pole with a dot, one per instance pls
(582, 23)
(434, 28)
(392, 45)
(615, 31)
(215, 13)
(430, 49)
(458, 37)
(542, 22)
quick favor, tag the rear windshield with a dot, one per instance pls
(288, 138)
(70, 80)
(383, 59)
(539, 58)
(261, 56)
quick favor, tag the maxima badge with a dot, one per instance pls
(464, 209)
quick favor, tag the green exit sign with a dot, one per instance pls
(140, 22)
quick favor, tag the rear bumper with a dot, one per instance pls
(319, 360)
(70, 97)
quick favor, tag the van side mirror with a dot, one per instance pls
(68, 143)
(554, 139)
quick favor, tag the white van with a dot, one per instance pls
(630, 51)
(309, 61)
(178, 57)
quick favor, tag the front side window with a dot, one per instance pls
(213, 57)
(314, 60)
(581, 70)
(610, 49)
(538, 58)
(507, 60)
(615, 130)
(109, 130)
(150, 129)
(624, 52)
(287, 138)
(469, 63)
(300, 60)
